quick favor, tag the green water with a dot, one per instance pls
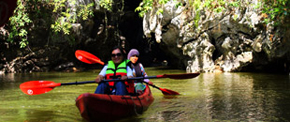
(224, 97)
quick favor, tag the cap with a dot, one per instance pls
(133, 52)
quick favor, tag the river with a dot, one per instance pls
(209, 97)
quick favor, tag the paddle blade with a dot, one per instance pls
(168, 92)
(87, 57)
(37, 87)
(180, 76)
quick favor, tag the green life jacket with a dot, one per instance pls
(114, 72)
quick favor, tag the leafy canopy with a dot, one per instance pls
(58, 14)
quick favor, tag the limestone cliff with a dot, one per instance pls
(233, 39)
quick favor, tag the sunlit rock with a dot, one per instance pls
(233, 37)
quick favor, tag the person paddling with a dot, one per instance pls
(138, 71)
(116, 68)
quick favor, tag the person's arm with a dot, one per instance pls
(103, 71)
(129, 72)
(102, 74)
(145, 74)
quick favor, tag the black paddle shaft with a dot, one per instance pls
(85, 82)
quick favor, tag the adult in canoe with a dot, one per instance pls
(105, 106)
(116, 68)
(138, 71)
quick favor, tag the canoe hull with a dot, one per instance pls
(102, 107)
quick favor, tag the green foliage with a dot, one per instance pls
(147, 5)
(144, 7)
(195, 5)
(85, 13)
(214, 5)
(159, 11)
(178, 4)
(276, 10)
(68, 12)
(59, 15)
(235, 3)
(162, 2)
(107, 4)
(19, 23)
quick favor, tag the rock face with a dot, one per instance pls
(234, 39)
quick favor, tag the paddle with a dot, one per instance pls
(171, 76)
(163, 90)
(87, 57)
(91, 59)
(40, 87)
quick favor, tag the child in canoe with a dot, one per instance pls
(138, 71)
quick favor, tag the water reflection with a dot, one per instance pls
(227, 94)
(10, 77)
(209, 97)
(239, 97)
(228, 97)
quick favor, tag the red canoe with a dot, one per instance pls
(102, 107)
